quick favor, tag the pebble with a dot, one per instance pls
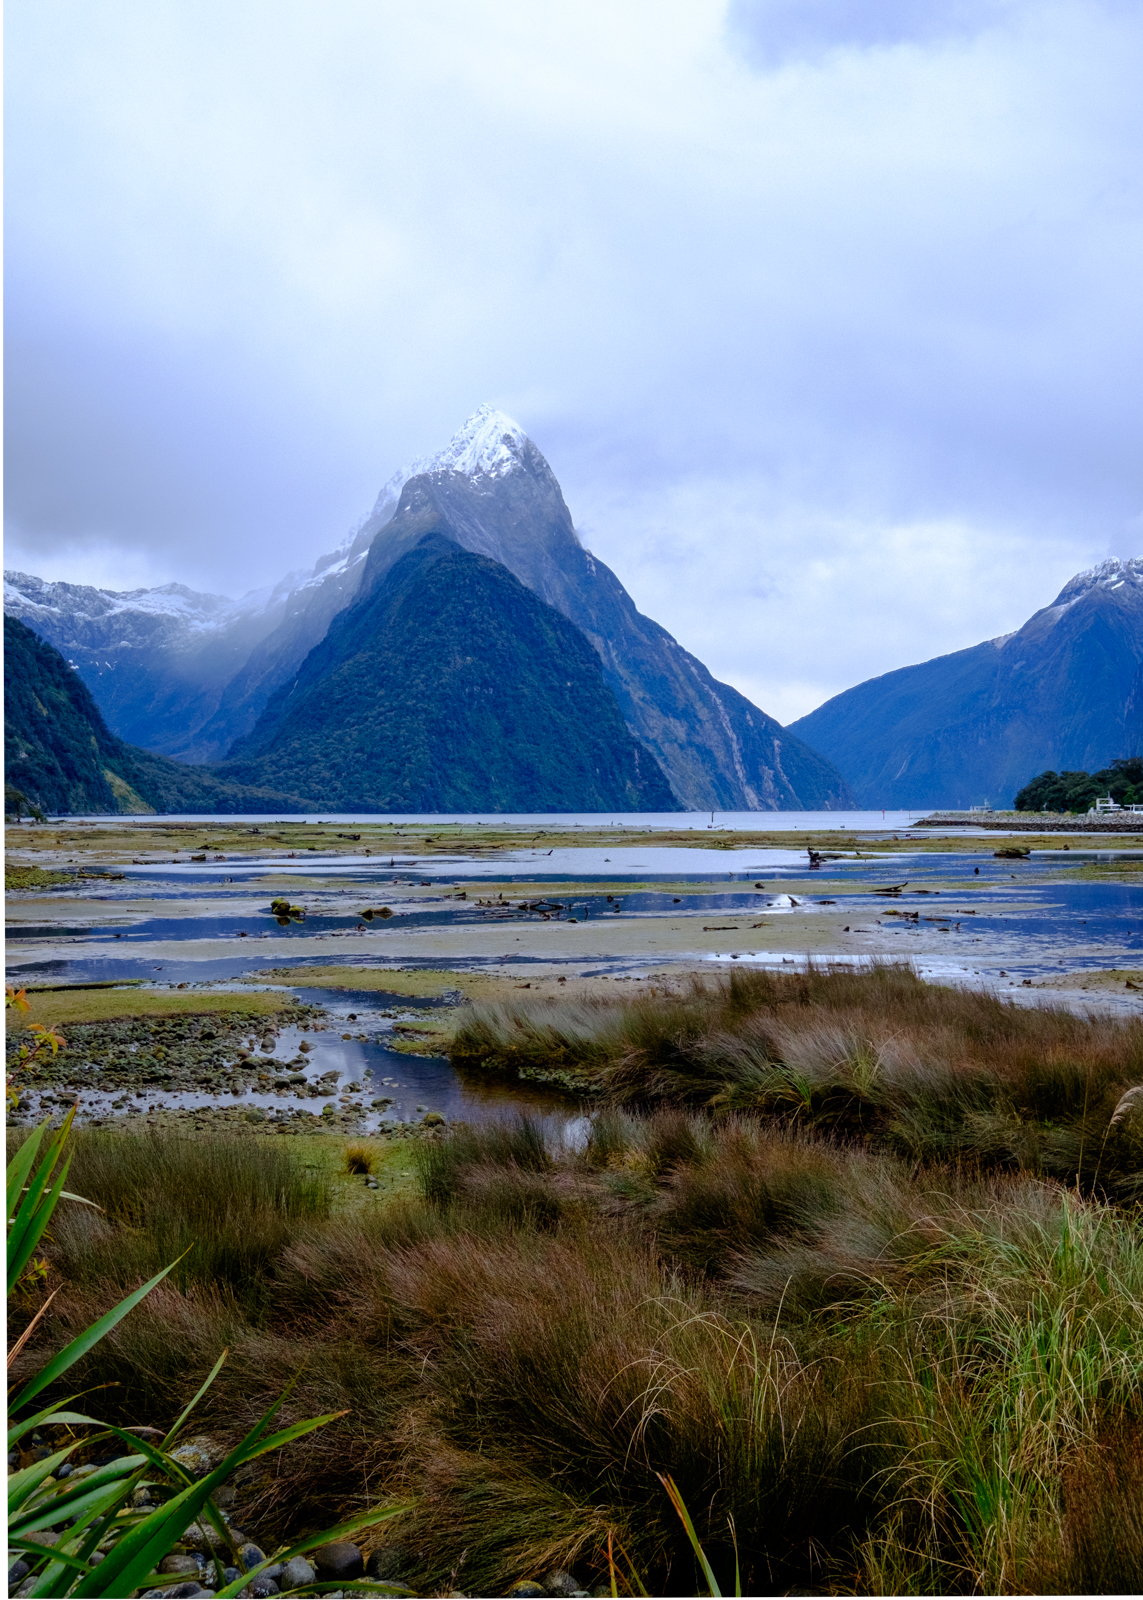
(527, 1589)
(559, 1582)
(297, 1573)
(185, 1564)
(251, 1556)
(17, 1572)
(339, 1560)
(261, 1586)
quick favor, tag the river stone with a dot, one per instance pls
(527, 1589)
(17, 1572)
(432, 1119)
(338, 1560)
(261, 1586)
(559, 1582)
(251, 1556)
(296, 1573)
(179, 1564)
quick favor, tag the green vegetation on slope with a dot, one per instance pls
(60, 754)
(451, 687)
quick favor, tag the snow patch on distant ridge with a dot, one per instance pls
(1108, 574)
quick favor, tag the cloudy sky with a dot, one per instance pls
(826, 313)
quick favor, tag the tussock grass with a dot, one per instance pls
(872, 1339)
(359, 1158)
(229, 1206)
(938, 1074)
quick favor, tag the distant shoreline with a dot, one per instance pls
(1034, 822)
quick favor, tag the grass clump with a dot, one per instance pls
(359, 1158)
(877, 1055)
(227, 1206)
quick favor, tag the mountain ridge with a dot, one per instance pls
(1064, 691)
(59, 752)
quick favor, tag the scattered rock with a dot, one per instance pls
(559, 1582)
(387, 1564)
(527, 1589)
(432, 1119)
(17, 1572)
(198, 1455)
(251, 1556)
(176, 1564)
(297, 1573)
(338, 1560)
(261, 1586)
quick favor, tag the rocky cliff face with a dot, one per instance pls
(1064, 692)
(449, 686)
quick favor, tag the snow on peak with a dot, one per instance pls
(1110, 574)
(488, 445)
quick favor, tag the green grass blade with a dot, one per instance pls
(214, 1371)
(89, 1337)
(31, 1220)
(296, 1430)
(20, 1166)
(684, 1517)
(75, 1502)
(137, 1552)
(29, 1547)
(28, 1479)
(49, 1414)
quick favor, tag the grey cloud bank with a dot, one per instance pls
(828, 326)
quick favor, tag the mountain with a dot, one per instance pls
(492, 492)
(60, 754)
(449, 686)
(189, 675)
(1064, 692)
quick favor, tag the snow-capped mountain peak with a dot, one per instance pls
(1111, 574)
(488, 445)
